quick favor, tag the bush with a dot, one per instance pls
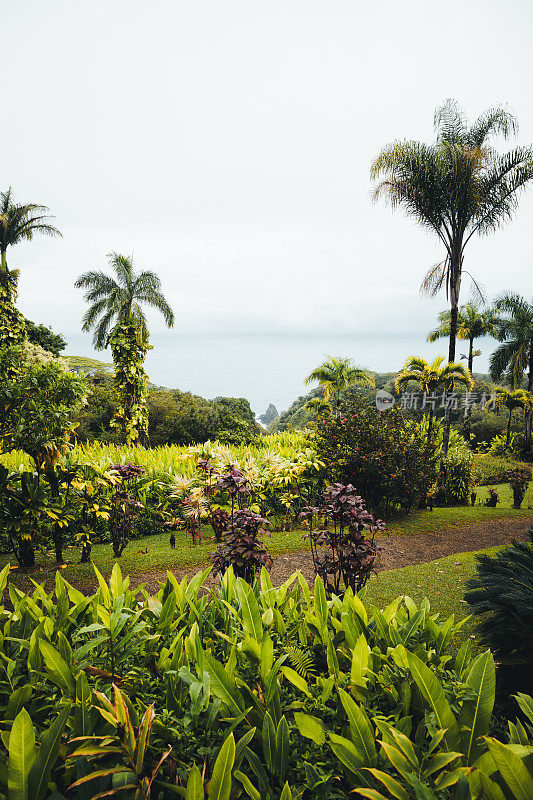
(149, 523)
(501, 594)
(459, 476)
(519, 481)
(271, 693)
(499, 446)
(385, 457)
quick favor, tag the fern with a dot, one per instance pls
(301, 661)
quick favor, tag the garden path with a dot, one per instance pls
(398, 551)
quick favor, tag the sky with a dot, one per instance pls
(226, 144)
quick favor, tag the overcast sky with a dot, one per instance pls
(227, 145)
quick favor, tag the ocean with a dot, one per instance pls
(262, 368)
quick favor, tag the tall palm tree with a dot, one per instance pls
(515, 353)
(457, 187)
(512, 399)
(472, 323)
(116, 315)
(18, 222)
(432, 378)
(335, 375)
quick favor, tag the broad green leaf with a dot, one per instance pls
(396, 789)
(251, 616)
(269, 743)
(286, 793)
(104, 588)
(321, 604)
(21, 756)
(310, 727)
(195, 785)
(220, 783)
(59, 671)
(17, 700)
(475, 715)
(83, 715)
(360, 661)
(372, 794)
(346, 752)
(296, 680)
(463, 657)
(282, 748)
(360, 730)
(247, 785)
(526, 704)
(41, 769)
(223, 686)
(434, 696)
(512, 769)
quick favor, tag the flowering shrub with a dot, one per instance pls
(386, 457)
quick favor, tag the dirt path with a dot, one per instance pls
(398, 551)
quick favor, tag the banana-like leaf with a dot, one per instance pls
(251, 615)
(512, 769)
(475, 715)
(195, 785)
(282, 748)
(310, 727)
(220, 783)
(360, 730)
(21, 756)
(346, 752)
(246, 784)
(434, 696)
(392, 785)
(57, 667)
(41, 769)
(269, 743)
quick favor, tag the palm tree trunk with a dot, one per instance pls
(529, 412)
(455, 286)
(509, 428)
(470, 368)
(3, 262)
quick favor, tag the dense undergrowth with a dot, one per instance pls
(256, 692)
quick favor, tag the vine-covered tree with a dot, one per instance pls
(116, 315)
(335, 375)
(514, 355)
(457, 187)
(18, 222)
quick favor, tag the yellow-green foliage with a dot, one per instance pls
(170, 457)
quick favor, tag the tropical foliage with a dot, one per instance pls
(514, 356)
(501, 596)
(264, 693)
(335, 375)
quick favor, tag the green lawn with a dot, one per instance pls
(441, 581)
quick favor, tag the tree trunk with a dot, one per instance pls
(58, 544)
(455, 286)
(529, 414)
(509, 428)
(470, 368)
(26, 554)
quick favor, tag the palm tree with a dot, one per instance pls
(472, 324)
(432, 377)
(335, 375)
(515, 353)
(116, 315)
(18, 222)
(512, 399)
(457, 187)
